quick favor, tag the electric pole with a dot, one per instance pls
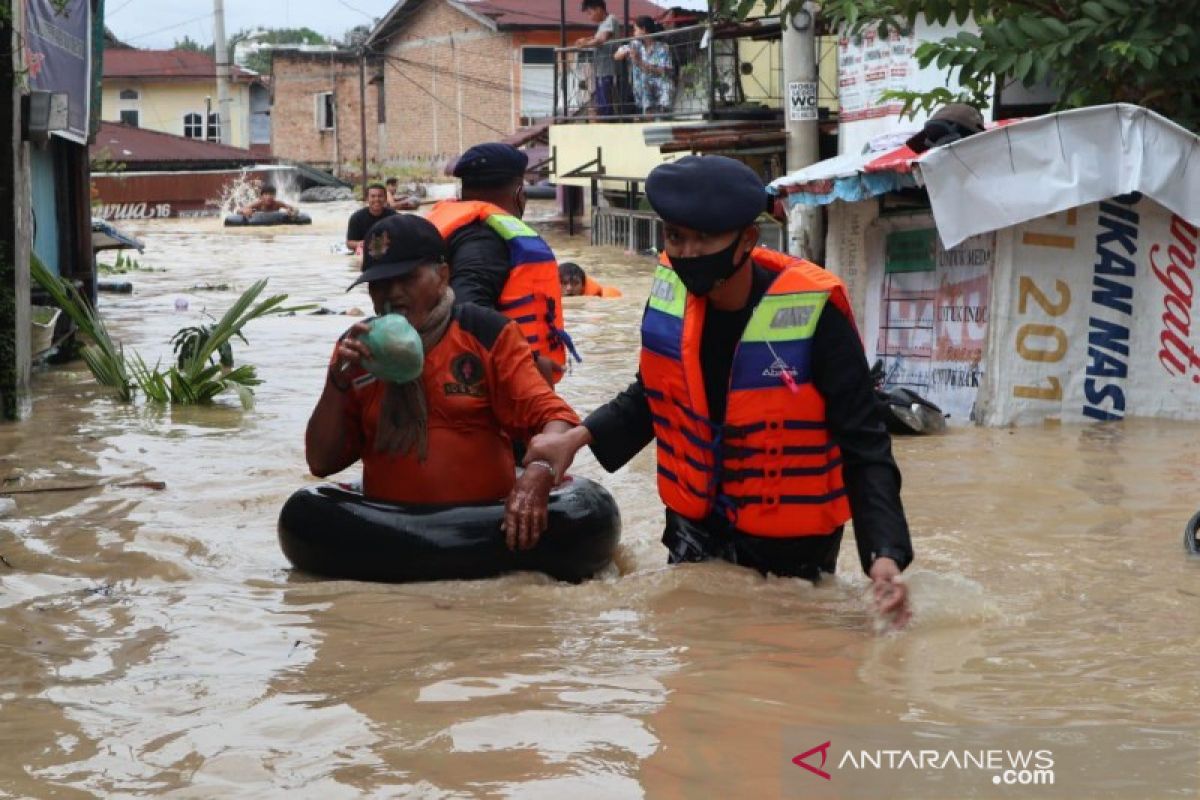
(805, 226)
(221, 52)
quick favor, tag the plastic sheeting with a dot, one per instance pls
(1060, 161)
(849, 178)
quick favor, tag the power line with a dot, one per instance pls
(117, 10)
(445, 105)
(357, 10)
(169, 27)
(470, 80)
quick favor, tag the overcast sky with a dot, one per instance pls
(159, 23)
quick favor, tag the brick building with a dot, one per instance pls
(444, 75)
(315, 111)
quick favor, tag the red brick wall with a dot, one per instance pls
(297, 79)
(450, 83)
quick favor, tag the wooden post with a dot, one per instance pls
(362, 115)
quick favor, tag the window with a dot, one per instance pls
(193, 125)
(537, 82)
(324, 109)
(129, 94)
(380, 101)
(214, 127)
(129, 116)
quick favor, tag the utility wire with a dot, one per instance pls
(169, 27)
(470, 80)
(357, 10)
(445, 105)
(117, 10)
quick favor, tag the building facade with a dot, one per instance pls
(175, 91)
(316, 109)
(442, 75)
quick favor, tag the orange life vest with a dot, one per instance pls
(772, 468)
(593, 288)
(532, 295)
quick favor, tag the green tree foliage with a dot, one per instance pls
(188, 43)
(1092, 51)
(260, 61)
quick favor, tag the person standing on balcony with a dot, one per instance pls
(604, 67)
(652, 70)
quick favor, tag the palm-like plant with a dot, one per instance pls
(204, 354)
(204, 357)
(104, 357)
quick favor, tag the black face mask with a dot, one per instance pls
(701, 274)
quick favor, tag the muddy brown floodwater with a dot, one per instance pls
(156, 643)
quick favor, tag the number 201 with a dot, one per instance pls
(1039, 341)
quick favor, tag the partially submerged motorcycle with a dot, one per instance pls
(904, 411)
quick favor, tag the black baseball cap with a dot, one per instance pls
(397, 245)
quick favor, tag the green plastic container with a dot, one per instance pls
(396, 351)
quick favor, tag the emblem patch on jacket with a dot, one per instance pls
(468, 373)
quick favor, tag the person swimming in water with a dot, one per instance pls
(266, 203)
(576, 283)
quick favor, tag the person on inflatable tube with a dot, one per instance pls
(445, 436)
(267, 203)
(754, 384)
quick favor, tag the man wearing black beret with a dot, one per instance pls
(497, 261)
(755, 387)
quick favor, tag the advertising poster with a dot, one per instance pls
(58, 56)
(1101, 320)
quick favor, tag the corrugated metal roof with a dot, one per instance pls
(134, 146)
(177, 64)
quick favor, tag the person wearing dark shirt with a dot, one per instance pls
(755, 386)
(498, 262)
(377, 208)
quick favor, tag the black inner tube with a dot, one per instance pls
(335, 533)
(1191, 535)
(267, 218)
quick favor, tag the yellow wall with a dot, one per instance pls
(625, 152)
(162, 105)
(763, 85)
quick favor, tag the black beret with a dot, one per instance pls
(713, 194)
(492, 162)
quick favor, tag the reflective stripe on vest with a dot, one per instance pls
(772, 468)
(532, 295)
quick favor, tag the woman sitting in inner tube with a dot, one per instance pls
(437, 431)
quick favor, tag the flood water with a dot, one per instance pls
(156, 643)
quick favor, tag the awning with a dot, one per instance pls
(106, 237)
(1057, 162)
(851, 177)
(886, 167)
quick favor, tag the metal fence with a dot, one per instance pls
(676, 74)
(641, 231)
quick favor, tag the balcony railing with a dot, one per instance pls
(678, 74)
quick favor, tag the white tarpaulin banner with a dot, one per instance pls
(1095, 310)
(1048, 164)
